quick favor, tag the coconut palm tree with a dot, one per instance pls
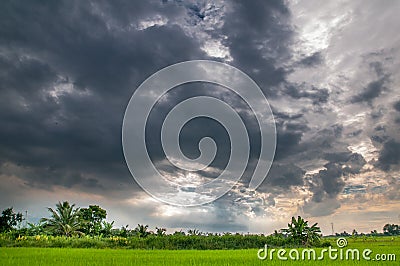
(65, 219)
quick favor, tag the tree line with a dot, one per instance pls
(71, 222)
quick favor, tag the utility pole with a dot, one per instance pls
(333, 232)
(26, 218)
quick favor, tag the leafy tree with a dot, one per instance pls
(343, 234)
(9, 219)
(300, 233)
(92, 218)
(194, 232)
(179, 233)
(65, 220)
(374, 233)
(160, 231)
(391, 229)
(141, 230)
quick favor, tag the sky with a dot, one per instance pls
(328, 69)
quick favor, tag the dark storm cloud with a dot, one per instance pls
(68, 70)
(282, 176)
(298, 91)
(254, 29)
(292, 148)
(372, 91)
(198, 128)
(379, 139)
(287, 142)
(65, 86)
(351, 162)
(328, 183)
(24, 74)
(397, 106)
(290, 129)
(380, 134)
(374, 88)
(312, 60)
(389, 155)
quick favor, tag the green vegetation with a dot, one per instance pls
(65, 220)
(173, 241)
(72, 227)
(76, 236)
(69, 226)
(9, 219)
(68, 256)
(299, 233)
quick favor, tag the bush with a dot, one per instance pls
(172, 242)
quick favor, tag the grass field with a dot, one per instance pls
(71, 256)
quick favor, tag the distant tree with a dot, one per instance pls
(179, 233)
(65, 220)
(160, 231)
(391, 229)
(277, 234)
(141, 230)
(343, 234)
(9, 219)
(374, 233)
(92, 219)
(354, 233)
(193, 232)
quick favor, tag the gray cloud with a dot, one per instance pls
(312, 60)
(389, 155)
(64, 85)
(327, 184)
(317, 96)
(256, 35)
(374, 88)
(372, 91)
(397, 106)
(282, 176)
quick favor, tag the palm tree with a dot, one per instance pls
(65, 220)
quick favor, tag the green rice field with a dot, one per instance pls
(90, 256)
